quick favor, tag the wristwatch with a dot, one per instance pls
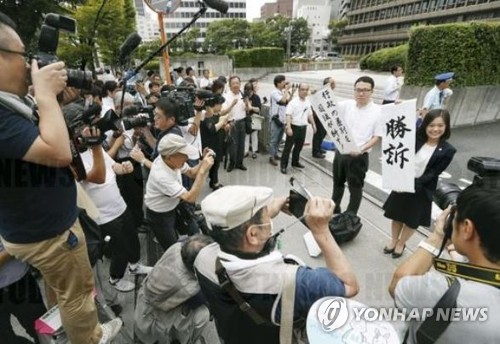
(429, 248)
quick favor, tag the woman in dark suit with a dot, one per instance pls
(433, 155)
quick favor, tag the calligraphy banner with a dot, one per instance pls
(325, 106)
(398, 146)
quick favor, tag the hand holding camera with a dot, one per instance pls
(206, 163)
(49, 80)
(319, 212)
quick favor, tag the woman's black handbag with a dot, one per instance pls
(187, 222)
(345, 227)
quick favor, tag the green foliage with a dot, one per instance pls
(382, 60)
(186, 42)
(231, 34)
(257, 57)
(27, 14)
(471, 50)
(154, 64)
(336, 27)
(101, 23)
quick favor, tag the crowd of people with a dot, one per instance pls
(133, 162)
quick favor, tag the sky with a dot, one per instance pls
(253, 8)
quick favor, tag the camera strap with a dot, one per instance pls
(18, 105)
(469, 272)
(228, 286)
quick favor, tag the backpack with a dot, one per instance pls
(345, 227)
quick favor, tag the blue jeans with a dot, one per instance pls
(276, 135)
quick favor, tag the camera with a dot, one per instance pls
(487, 174)
(47, 46)
(184, 97)
(137, 117)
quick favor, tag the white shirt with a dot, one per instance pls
(107, 103)
(432, 101)
(299, 110)
(164, 187)
(364, 122)
(205, 82)
(422, 158)
(238, 111)
(274, 107)
(106, 197)
(392, 87)
(426, 290)
(194, 141)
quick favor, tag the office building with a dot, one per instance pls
(376, 24)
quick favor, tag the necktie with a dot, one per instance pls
(441, 96)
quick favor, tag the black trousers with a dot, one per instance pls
(163, 227)
(132, 192)
(124, 246)
(318, 136)
(237, 150)
(297, 142)
(353, 170)
(23, 300)
(213, 174)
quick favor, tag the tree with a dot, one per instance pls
(103, 25)
(336, 28)
(28, 14)
(224, 35)
(187, 42)
(300, 35)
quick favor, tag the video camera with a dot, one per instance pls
(47, 47)
(487, 174)
(184, 97)
(137, 117)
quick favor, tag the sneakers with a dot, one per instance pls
(139, 269)
(122, 285)
(110, 330)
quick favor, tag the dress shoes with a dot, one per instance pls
(298, 165)
(388, 250)
(241, 167)
(398, 254)
(283, 170)
(230, 168)
(319, 155)
(273, 162)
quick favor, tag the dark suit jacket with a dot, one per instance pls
(439, 161)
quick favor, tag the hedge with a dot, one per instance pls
(257, 57)
(382, 60)
(471, 50)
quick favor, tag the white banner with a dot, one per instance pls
(398, 146)
(325, 106)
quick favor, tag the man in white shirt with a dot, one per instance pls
(393, 85)
(437, 96)
(279, 100)
(298, 114)
(364, 120)
(236, 108)
(474, 234)
(205, 80)
(164, 189)
(115, 219)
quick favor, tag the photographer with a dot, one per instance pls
(39, 215)
(240, 218)
(475, 235)
(172, 309)
(280, 98)
(164, 189)
(115, 218)
(212, 136)
(164, 117)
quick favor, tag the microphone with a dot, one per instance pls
(218, 5)
(133, 40)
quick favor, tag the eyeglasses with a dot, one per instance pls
(26, 55)
(362, 90)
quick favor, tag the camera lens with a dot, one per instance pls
(446, 194)
(79, 79)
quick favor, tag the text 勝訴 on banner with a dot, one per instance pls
(398, 146)
(325, 106)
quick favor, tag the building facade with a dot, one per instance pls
(147, 26)
(185, 12)
(268, 10)
(317, 14)
(376, 24)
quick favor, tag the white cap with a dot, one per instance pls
(233, 205)
(173, 143)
